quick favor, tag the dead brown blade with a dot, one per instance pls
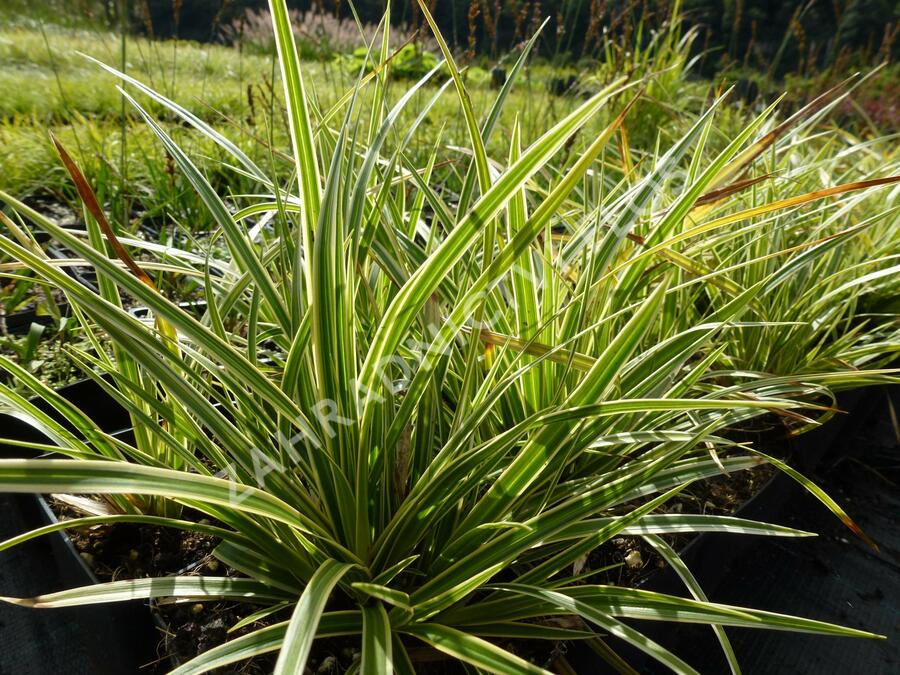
(715, 195)
(93, 206)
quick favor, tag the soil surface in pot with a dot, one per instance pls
(631, 561)
(126, 551)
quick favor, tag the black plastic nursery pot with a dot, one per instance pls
(84, 275)
(115, 638)
(711, 556)
(20, 322)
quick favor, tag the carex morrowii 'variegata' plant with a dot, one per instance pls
(413, 408)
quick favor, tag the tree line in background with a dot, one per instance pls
(775, 36)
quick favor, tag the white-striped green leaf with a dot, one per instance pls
(303, 626)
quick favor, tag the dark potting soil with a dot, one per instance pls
(631, 561)
(126, 551)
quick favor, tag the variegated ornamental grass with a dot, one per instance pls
(409, 415)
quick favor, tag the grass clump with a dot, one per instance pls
(414, 407)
